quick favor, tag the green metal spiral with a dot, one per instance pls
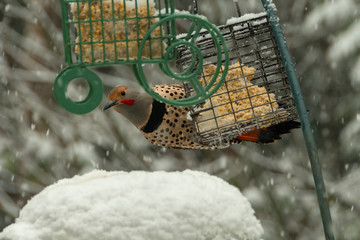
(190, 74)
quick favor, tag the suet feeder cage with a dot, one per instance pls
(255, 93)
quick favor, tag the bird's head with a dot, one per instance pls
(132, 104)
(121, 95)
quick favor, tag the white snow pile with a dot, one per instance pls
(137, 205)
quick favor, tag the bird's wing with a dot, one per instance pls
(170, 91)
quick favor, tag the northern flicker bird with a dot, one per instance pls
(168, 126)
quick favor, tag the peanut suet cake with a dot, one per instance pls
(237, 100)
(114, 29)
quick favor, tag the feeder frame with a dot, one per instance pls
(159, 30)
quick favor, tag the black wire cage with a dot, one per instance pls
(255, 93)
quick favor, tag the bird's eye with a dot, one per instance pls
(122, 93)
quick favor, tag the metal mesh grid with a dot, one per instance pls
(102, 32)
(256, 92)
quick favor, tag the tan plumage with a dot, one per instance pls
(175, 131)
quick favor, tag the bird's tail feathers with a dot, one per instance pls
(269, 134)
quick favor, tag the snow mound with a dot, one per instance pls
(137, 205)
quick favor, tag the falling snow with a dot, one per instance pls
(41, 143)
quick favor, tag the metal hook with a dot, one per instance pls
(237, 7)
(196, 9)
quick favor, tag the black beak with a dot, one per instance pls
(110, 104)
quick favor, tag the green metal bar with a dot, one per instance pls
(138, 40)
(196, 33)
(161, 29)
(102, 30)
(126, 31)
(191, 29)
(148, 24)
(65, 27)
(114, 30)
(91, 34)
(80, 57)
(270, 8)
